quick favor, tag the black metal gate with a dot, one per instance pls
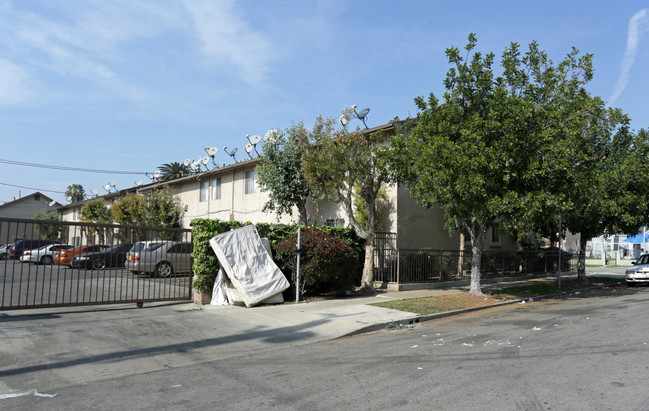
(55, 264)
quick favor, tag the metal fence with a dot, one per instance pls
(56, 276)
(427, 265)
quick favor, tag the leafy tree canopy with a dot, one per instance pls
(334, 163)
(504, 148)
(49, 230)
(280, 172)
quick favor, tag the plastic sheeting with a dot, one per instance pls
(253, 275)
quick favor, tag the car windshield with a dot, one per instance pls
(643, 260)
(112, 248)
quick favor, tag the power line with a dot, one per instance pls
(32, 188)
(85, 170)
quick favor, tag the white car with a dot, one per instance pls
(43, 255)
(4, 251)
(639, 273)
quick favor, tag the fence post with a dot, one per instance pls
(398, 266)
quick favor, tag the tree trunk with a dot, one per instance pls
(367, 281)
(301, 209)
(460, 260)
(581, 264)
(477, 234)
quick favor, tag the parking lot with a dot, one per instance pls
(28, 285)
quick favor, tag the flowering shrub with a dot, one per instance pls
(327, 263)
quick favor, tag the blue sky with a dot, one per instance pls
(129, 85)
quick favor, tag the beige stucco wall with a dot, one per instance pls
(234, 203)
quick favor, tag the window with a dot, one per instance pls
(334, 222)
(75, 213)
(215, 188)
(495, 238)
(203, 191)
(251, 181)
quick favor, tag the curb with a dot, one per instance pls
(423, 318)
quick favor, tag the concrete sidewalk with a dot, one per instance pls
(46, 349)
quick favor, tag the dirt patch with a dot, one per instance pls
(443, 303)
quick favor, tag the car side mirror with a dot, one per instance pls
(632, 262)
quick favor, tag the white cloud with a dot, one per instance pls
(637, 26)
(13, 83)
(229, 40)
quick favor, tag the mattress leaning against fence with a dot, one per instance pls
(250, 269)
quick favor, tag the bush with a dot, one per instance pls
(327, 263)
(206, 265)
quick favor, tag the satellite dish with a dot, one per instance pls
(361, 116)
(231, 153)
(69, 198)
(254, 140)
(113, 183)
(51, 203)
(156, 175)
(249, 147)
(107, 187)
(211, 151)
(138, 183)
(205, 160)
(187, 162)
(343, 120)
(95, 192)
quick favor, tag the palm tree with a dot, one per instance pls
(169, 171)
(75, 193)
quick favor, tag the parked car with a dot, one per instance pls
(43, 255)
(21, 245)
(64, 257)
(163, 258)
(639, 273)
(4, 251)
(114, 256)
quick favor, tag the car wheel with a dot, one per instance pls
(3, 256)
(164, 269)
(135, 272)
(98, 264)
(46, 260)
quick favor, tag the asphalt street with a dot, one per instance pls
(582, 352)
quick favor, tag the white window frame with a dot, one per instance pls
(215, 188)
(203, 191)
(251, 182)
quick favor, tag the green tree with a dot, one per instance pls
(130, 210)
(75, 193)
(163, 209)
(98, 213)
(337, 161)
(497, 149)
(280, 172)
(170, 171)
(49, 229)
(607, 191)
